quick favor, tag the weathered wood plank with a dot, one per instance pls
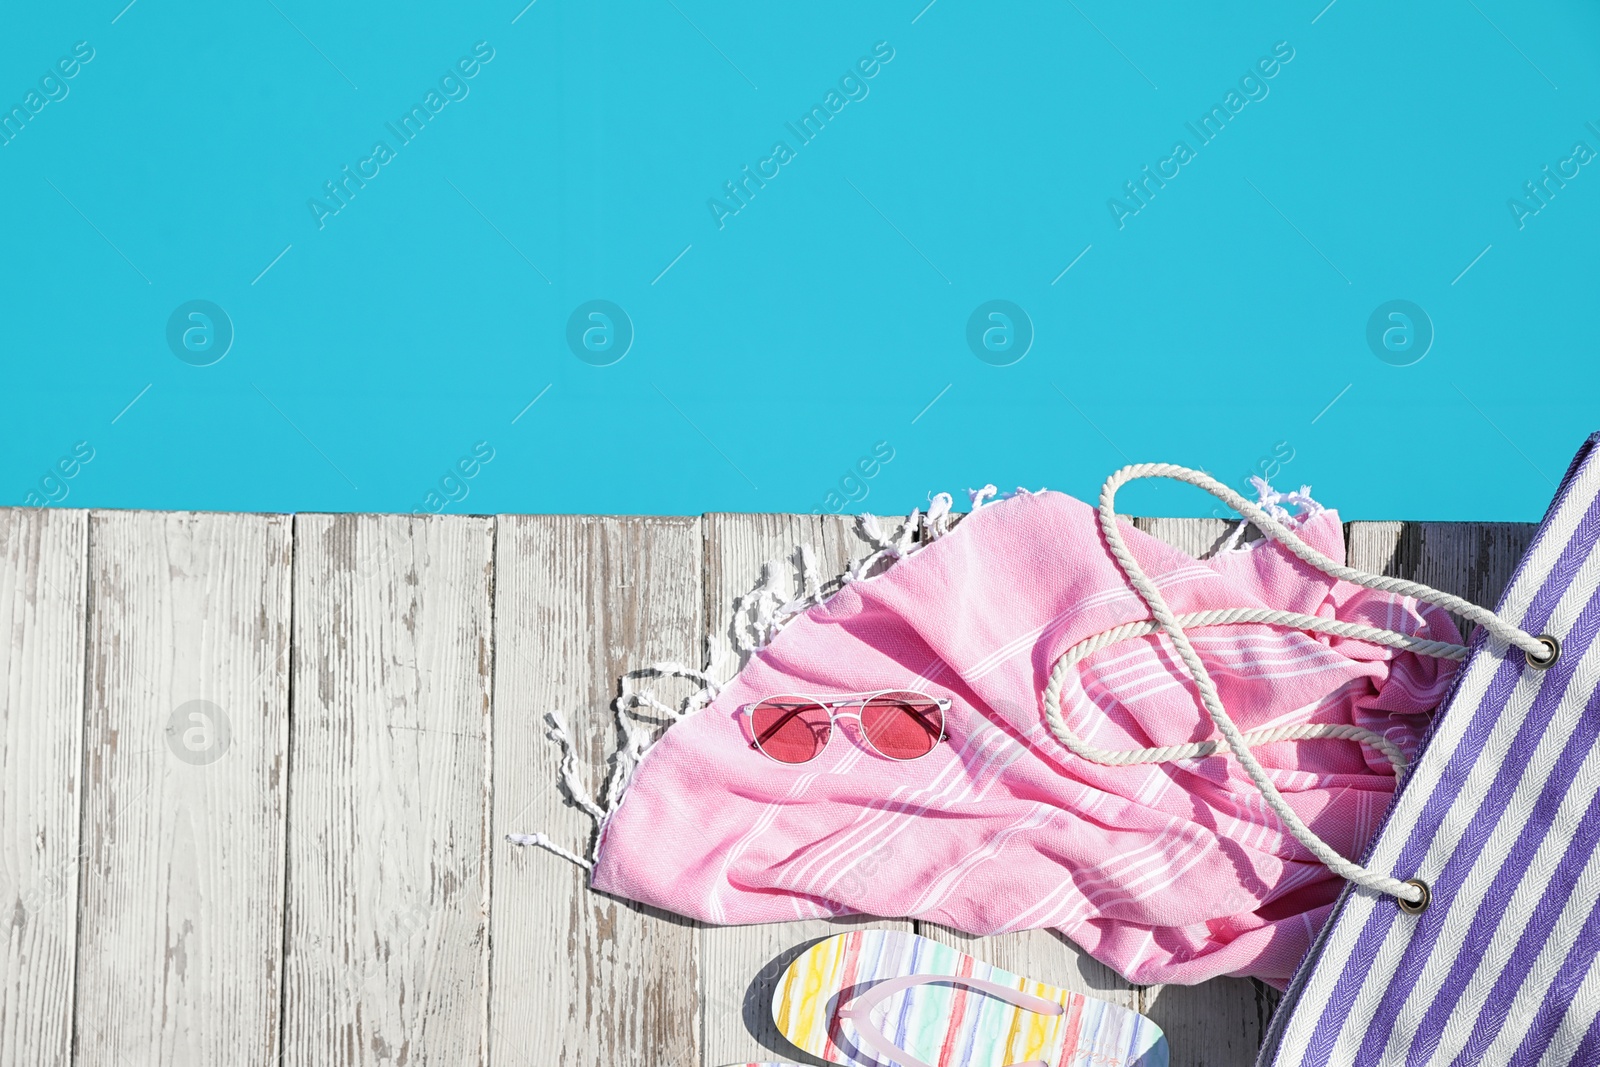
(1219, 1023)
(740, 964)
(386, 948)
(186, 724)
(1473, 560)
(1044, 956)
(580, 978)
(42, 598)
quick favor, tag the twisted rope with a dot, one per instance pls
(1239, 743)
(1222, 617)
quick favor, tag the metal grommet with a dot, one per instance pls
(1420, 906)
(1549, 661)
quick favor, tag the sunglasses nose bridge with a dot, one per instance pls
(857, 729)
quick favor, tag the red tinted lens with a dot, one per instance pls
(903, 725)
(791, 729)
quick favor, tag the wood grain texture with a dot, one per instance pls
(1044, 956)
(1473, 560)
(180, 927)
(386, 942)
(43, 555)
(1219, 1023)
(580, 978)
(740, 964)
(147, 880)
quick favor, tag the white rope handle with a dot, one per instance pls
(1128, 757)
(1240, 743)
(1221, 617)
(1270, 617)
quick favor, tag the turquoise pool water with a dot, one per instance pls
(681, 255)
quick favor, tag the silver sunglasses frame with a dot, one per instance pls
(846, 700)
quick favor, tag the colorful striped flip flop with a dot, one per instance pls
(875, 998)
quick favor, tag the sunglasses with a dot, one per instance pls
(900, 724)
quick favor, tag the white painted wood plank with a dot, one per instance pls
(1200, 538)
(580, 978)
(43, 556)
(387, 953)
(740, 964)
(1045, 956)
(1217, 1023)
(186, 724)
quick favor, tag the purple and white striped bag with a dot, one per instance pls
(1500, 821)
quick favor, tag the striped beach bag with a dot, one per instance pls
(1470, 933)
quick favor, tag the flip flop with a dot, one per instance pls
(874, 998)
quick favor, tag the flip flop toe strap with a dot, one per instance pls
(859, 1011)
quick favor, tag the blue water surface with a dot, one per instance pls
(676, 256)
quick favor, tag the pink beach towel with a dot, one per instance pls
(1173, 872)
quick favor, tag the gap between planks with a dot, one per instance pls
(478, 985)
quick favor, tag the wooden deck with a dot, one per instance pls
(321, 878)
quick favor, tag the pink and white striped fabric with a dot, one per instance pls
(1501, 819)
(1167, 873)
